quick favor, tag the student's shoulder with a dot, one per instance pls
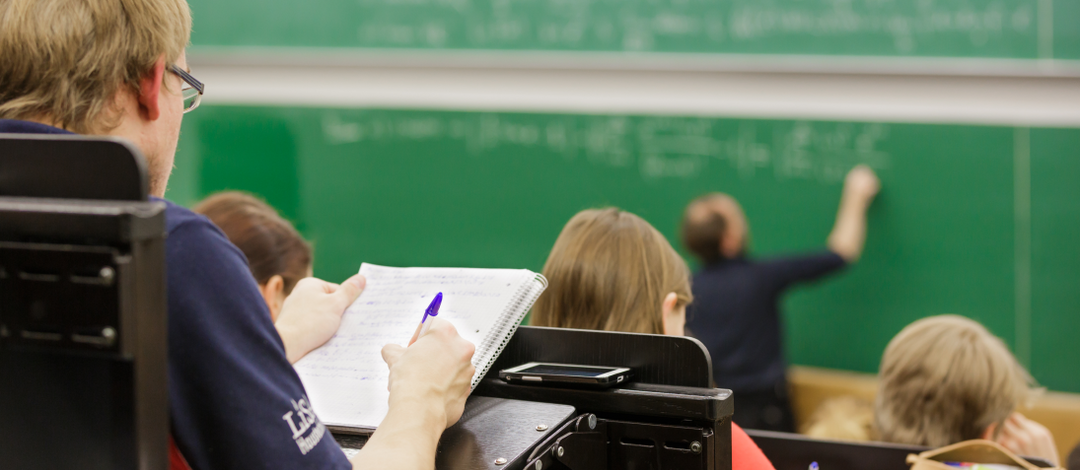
(184, 223)
(192, 236)
(179, 217)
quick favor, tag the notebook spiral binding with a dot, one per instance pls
(523, 301)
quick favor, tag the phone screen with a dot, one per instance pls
(565, 370)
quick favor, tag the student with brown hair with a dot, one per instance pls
(946, 379)
(276, 253)
(611, 270)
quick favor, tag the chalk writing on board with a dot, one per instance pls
(977, 21)
(657, 147)
(904, 27)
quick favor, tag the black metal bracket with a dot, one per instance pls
(580, 444)
(589, 442)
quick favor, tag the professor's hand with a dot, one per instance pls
(862, 183)
(433, 374)
(312, 313)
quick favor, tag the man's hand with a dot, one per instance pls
(862, 184)
(429, 381)
(436, 369)
(312, 313)
(1026, 438)
(849, 233)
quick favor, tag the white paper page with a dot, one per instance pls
(346, 378)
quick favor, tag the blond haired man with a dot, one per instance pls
(946, 379)
(117, 67)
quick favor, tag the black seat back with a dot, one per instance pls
(82, 307)
(71, 167)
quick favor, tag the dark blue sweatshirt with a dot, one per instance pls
(235, 401)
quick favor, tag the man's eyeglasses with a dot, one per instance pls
(192, 90)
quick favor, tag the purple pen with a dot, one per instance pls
(432, 311)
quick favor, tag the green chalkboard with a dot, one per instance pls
(1055, 216)
(1024, 29)
(1066, 29)
(975, 220)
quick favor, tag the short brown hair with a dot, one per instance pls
(610, 270)
(945, 379)
(65, 59)
(271, 244)
(702, 230)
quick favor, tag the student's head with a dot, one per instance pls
(714, 228)
(98, 67)
(277, 255)
(611, 270)
(946, 379)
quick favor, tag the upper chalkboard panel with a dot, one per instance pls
(1014, 29)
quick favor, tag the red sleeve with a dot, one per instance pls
(745, 454)
(176, 460)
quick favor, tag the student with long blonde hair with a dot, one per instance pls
(610, 270)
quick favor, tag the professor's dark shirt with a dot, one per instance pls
(736, 315)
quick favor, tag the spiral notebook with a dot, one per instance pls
(346, 378)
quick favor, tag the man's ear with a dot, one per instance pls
(150, 90)
(273, 293)
(730, 246)
(989, 432)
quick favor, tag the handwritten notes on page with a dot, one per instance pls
(346, 379)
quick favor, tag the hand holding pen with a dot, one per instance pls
(431, 312)
(437, 371)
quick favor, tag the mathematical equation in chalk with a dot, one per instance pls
(658, 147)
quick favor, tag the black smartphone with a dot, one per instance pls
(566, 374)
